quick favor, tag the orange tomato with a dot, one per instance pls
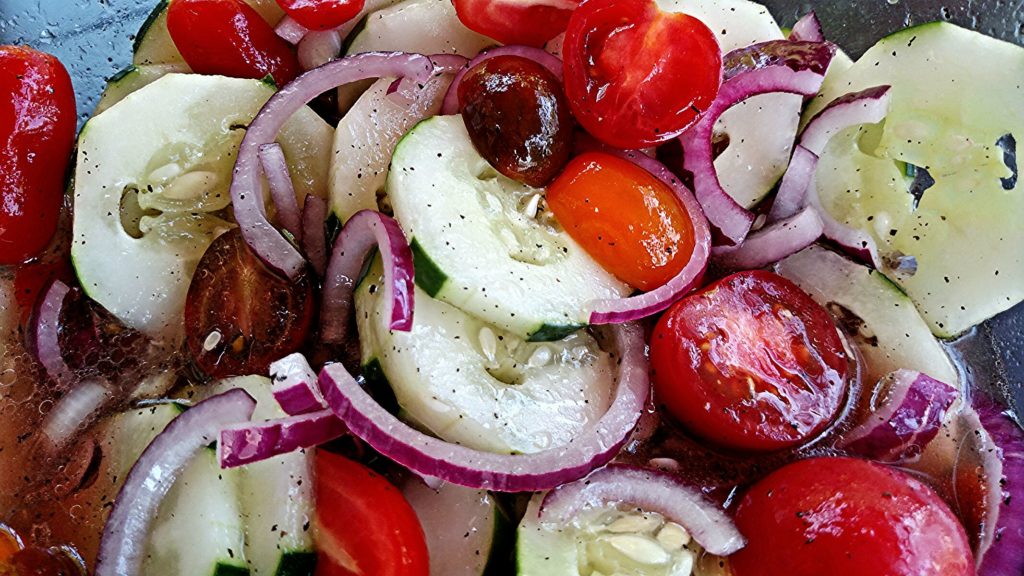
(628, 220)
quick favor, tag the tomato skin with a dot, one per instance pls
(364, 521)
(531, 23)
(228, 37)
(750, 363)
(321, 14)
(625, 218)
(636, 76)
(847, 517)
(37, 133)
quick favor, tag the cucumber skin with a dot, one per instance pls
(428, 275)
(122, 74)
(230, 570)
(552, 332)
(298, 563)
(144, 29)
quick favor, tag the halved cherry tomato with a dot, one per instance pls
(228, 37)
(847, 517)
(37, 132)
(636, 76)
(625, 218)
(321, 14)
(750, 363)
(528, 22)
(41, 562)
(240, 316)
(367, 528)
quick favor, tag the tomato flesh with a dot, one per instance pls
(527, 22)
(321, 14)
(228, 37)
(625, 218)
(847, 517)
(750, 363)
(367, 528)
(636, 76)
(37, 132)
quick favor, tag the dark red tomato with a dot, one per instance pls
(847, 517)
(37, 132)
(33, 278)
(517, 117)
(750, 363)
(240, 316)
(321, 14)
(228, 37)
(366, 525)
(636, 76)
(527, 22)
(41, 562)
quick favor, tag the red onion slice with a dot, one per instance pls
(778, 66)
(73, 411)
(151, 477)
(282, 190)
(290, 30)
(793, 189)
(868, 106)
(246, 188)
(46, 334)
(999, 552)
(254, 441)
(364, 231)
(807, 28)
(314, 237)
(294, 385)
(907, 409)
(771, 243)
(450, 105)
(430, 456)
(318, 47)
(651, 491)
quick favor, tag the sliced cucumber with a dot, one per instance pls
(879, 318)
(474, 246)
(151, 179)
(955, 94)
(131, 79)
(123, 437)
(761, 129)
(493, 391)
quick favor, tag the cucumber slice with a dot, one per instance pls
(879, 318)
(152, 175)
(761, 129)
(475, 247)
(131, 79)
(493, 391)
(965, 230)
(123, 437)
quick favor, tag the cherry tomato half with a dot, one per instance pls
(750, 363)
(228, 37)
(847, 517)
(37, 132)
(528, 22)
(636, 76)
(625, 218)
(321, 14)
(366, 525)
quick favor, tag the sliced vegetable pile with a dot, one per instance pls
(622, 287)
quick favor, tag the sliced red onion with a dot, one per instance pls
(771, 243)
(999, 552)
(290, 30)
(651, 491)
(46, 334)
(793, 189)
(74, 410)
(314, 237)
(778, 66)
(544, 470)
(294, 385)
(807, 28)
(364, 231)
(246, 188)
(282, 190)
(242, 444)
(907, 409)
(538, 55)
(127, 529)
(857, 243)
(318, 47)
(865, 107)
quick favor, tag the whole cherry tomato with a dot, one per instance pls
(847, 517)
(750, 363)
(637, 76)
(228, 37)
(321, 14)
(528, 22)
(37, 133)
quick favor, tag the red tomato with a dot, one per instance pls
(37, 132)
(529, 22)
(42, 562)
(636, 76)
(847, 517)
(228, 37)
(322, 14)
(750, 363)
(628, 220)
(367, 528)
